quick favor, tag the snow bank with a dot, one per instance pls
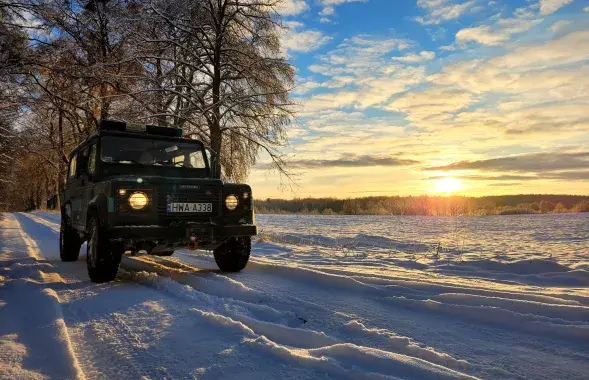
(247, 319)
(348, 361)
(42, 332)
(521, 267)
(406, 346)
(295, 337)
(351, 302)
(564, 312)
(34, 340)
(498, 316)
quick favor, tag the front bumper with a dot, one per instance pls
(181, 233)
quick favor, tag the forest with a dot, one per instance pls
(428, 205)
(214, 68)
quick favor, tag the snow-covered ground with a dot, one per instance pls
(323, 297)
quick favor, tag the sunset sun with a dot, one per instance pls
(448, 185)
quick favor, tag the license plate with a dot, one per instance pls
(190, 207)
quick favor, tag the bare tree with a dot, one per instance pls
(227, 76)
(212, 67)
(12, 62)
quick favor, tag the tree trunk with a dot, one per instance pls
(215, 123)
(57, 192)
(44, 185)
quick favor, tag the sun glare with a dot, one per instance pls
(448, 185)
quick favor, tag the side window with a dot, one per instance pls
(197, 160)
(73, 167)
(92, 161)
(190, 160)
(83, 164)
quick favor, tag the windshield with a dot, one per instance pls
(128, 150)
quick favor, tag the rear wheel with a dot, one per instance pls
(69, 241)
(233, 254)
(102, 256)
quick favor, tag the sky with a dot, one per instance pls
(411, 97)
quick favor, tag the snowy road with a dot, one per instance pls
(180, 318)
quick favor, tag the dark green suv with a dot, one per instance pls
(142, 187)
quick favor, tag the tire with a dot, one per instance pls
(102, 257)
(233, 254)
(69, 241)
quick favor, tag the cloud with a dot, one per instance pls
(550, 6)
(499, 29)
(328, 3)
(351, 161)
(329, 6)
(433, 106)
(362, 73)
(499, 32)
(559, 26)
(416, 58)
(327, 11)
(341, 131)
(438, 11)
(482, 34)
(571, 48)
(525, 163)
(292, 7)
(498, 72)
(582, 175)
(586, 9)
(470, 114)
(448, 47)
(570, 176)
(368, 90)
(294, 39)
(535, 89)
(328, 101)
(506, 177)
(306, 86)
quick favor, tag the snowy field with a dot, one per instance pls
(323, 297)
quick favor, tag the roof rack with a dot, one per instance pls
(115, 125)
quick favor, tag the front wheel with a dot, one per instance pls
(233, 254)
(102, 256)
(69, 241)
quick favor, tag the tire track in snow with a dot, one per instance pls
(342, 360)
(136, 361)
(25, 283)
(53, 217)
(550, 307)
(51, 225)
(278, 332)
(455, 319)
(113, 350)
(504, 314)
(239, 298)
(122, 342)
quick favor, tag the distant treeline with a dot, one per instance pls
(428, 205)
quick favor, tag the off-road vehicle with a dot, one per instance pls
(133, 188)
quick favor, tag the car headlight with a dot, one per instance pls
(231, 202)
(138, 200)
